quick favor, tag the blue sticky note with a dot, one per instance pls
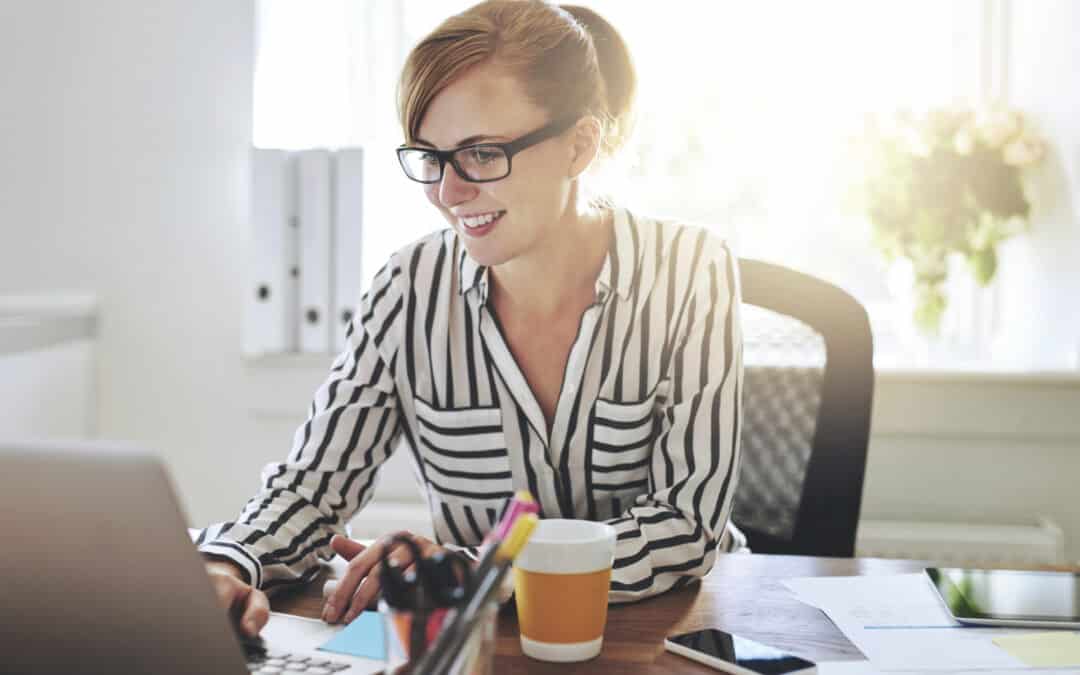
(364, 637)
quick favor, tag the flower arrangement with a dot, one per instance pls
(946, 182)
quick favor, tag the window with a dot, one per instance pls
(745, 111)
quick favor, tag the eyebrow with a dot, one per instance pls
(471, 140)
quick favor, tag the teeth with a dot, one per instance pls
(477, 221)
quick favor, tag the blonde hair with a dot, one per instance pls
(569, 59)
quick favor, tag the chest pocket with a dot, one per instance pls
(623, 435)
(464, 453)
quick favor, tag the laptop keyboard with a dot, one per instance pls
(284, 663)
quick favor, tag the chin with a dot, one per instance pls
(484, 254)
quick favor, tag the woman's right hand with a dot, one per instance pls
(248, 608)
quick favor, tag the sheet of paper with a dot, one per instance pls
(289, 632)
(899, 624)
(1048, 650)
(299, 635)
(365, 637)
(846, 668)
(886, 601)
(866, 668)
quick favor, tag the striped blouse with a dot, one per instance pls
(645, 434)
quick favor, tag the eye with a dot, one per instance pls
(481, 156)
(430, 159)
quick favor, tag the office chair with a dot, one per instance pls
(807, 394)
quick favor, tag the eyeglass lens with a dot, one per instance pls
(478, 163)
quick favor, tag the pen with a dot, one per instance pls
(521, 504)
(446, 649)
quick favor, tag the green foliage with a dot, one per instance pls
(948, 182)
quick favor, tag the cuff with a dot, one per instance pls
(733, 540)
(236, 553)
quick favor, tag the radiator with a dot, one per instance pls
(1042, 543)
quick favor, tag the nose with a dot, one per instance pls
(453, 189)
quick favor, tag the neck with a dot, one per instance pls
(559, 273)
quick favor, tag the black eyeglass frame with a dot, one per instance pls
(509, 149)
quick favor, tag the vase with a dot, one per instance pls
(965, 325)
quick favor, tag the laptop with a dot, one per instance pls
(99, 575)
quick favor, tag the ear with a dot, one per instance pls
(587, 134)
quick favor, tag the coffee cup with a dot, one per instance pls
(561, 582)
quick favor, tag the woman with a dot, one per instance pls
(545, 341)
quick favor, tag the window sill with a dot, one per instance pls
(977, 375)
(908, 402)
(972, 374)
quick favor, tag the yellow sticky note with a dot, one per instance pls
(1046, 650)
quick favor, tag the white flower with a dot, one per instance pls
(964, 141)
(996, 125)
(914, 142)
(1023, 150)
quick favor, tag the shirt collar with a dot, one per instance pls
(471, 274)
(623, 260)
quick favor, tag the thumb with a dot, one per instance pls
(345, 547)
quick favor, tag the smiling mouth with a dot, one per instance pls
(482, 221)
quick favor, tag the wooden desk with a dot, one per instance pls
(742, 595)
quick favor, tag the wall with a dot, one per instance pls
(976, 448)
(124, 142)
(1039, 284)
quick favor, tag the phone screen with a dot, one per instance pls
(742, 652)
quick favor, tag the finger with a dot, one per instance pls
(427, 547)
(226, 588)
(345, 547)
(366, 596)
(256, 613)
(358, 569)
(236, 597)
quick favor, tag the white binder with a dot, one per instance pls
(272, 300)
(348, 232)
(315, 217)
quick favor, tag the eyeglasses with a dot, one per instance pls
(480, 163)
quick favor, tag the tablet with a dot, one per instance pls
(1009, 597)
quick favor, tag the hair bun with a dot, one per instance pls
(616, 69)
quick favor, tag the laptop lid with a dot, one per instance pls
(97, 572)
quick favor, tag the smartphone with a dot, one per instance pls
(735, 654)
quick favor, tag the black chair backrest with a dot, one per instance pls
(807, 397)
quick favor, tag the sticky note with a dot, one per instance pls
(365, 637)
(1044, 650)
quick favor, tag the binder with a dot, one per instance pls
(314, 209)
(347, 236)
(272, 299)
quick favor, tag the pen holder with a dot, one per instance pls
(406, 629)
